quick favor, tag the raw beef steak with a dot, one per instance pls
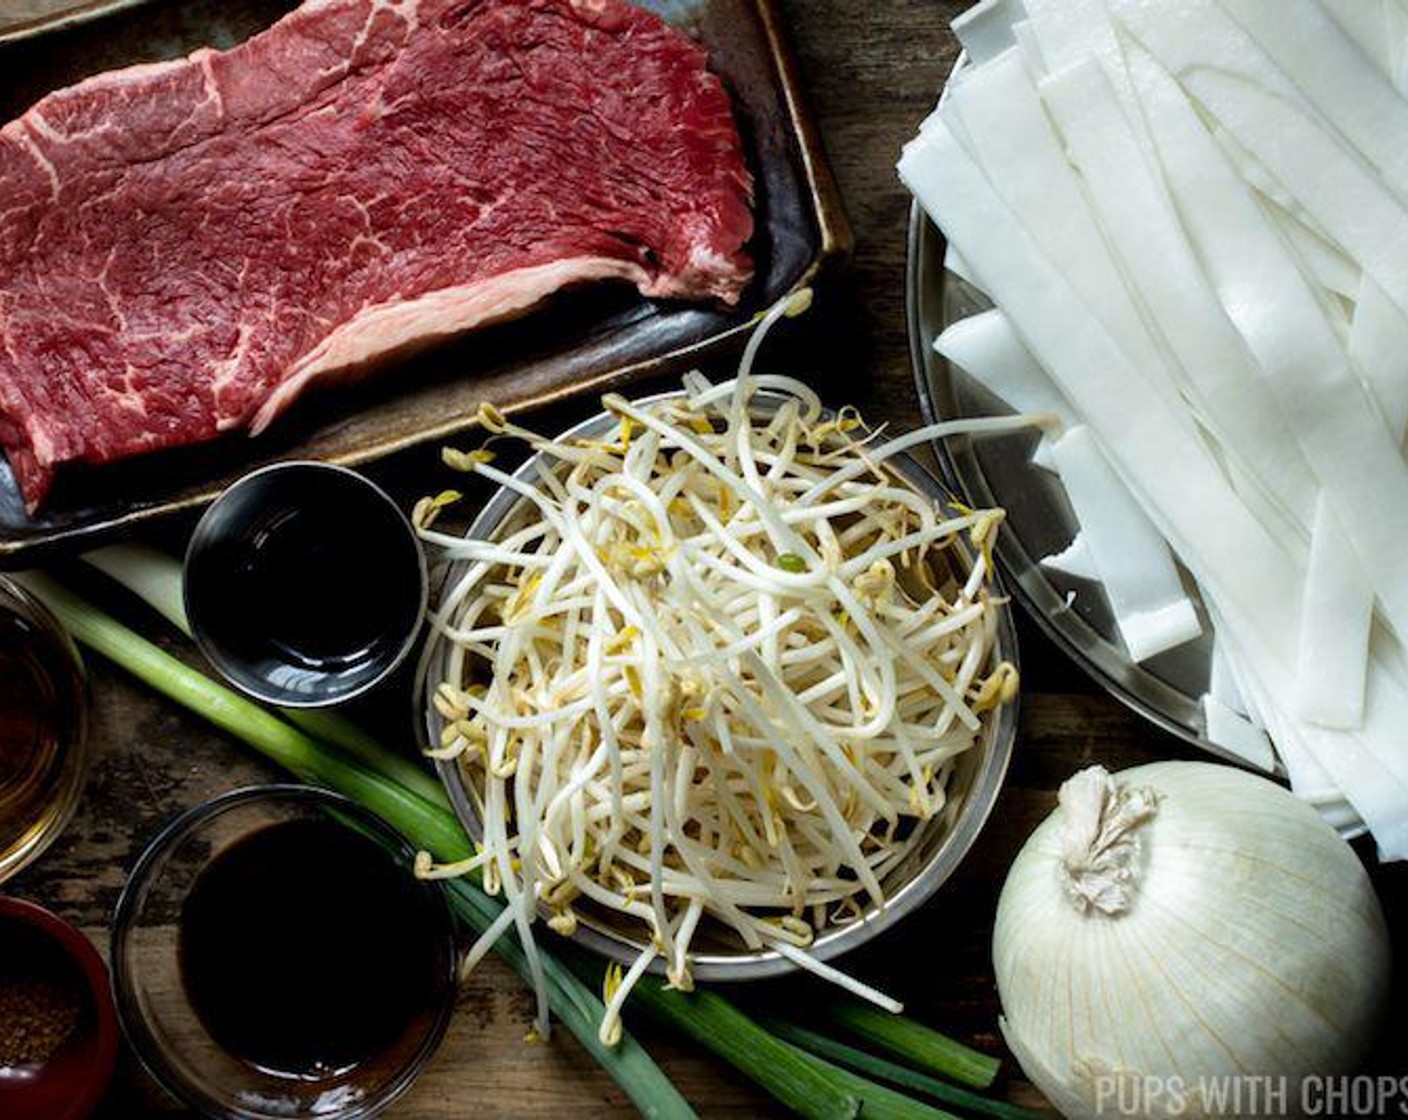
(185, 246)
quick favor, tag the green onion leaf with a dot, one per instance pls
(797, 1080)
(877, 1102)
(155, 578)
(422, 824)
(895, 1074)
(914, 1043)
(580, 1011)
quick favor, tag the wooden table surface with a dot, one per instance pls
(873, 70)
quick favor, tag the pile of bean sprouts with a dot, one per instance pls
(721, 672)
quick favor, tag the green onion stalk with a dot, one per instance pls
(883, 1070)
(794, 1078)
(878, 1102)
(794, 1066)
(794, 1061)
(155, 578)
(424, 825)
(914, 1043)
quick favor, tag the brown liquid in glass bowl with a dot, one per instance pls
(39, 728)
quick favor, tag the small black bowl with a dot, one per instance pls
(305, 584)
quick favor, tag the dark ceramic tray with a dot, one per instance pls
(579, 341)
(25, 19)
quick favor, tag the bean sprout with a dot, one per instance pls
(715, 674)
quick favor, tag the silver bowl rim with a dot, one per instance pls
(978, 803)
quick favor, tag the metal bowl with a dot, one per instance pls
(716, 953)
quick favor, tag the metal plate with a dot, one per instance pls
(579, 341)
(998, 471)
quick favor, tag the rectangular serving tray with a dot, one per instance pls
(27, 19)
(578, 342)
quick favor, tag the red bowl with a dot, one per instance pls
(69, 1085)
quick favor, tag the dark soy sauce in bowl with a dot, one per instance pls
(274, 957)
(304, 584)
(306, 590)
(303, 950)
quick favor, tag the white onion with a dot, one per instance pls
(1180, 924)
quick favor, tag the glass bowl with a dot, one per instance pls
(717, 954)
(166, 1031)
(44, 746)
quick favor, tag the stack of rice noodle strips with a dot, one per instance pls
(1191, 219)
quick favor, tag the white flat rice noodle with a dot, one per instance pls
(1364, 767)
(1215, 367)
(1029, 46)
(1378, 344)
(1366, 24)
(1396, 24)
(954, 262)
(1075, 560)
(1222, 680)
(1136, 569)
(1396, 16)
(1339, 814)
(985, 30)
(1337, 607)
(1004, 124)
(1254, 172)
(1233, 732)
(1327, 67)
(1070, 31)
(1095, 375)
(987, 348)
(1335, 421)
(1304, 770)
(1271, 190)
(1042, 457)
(1235, 559)
(1322, 261)
(1238, 85)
